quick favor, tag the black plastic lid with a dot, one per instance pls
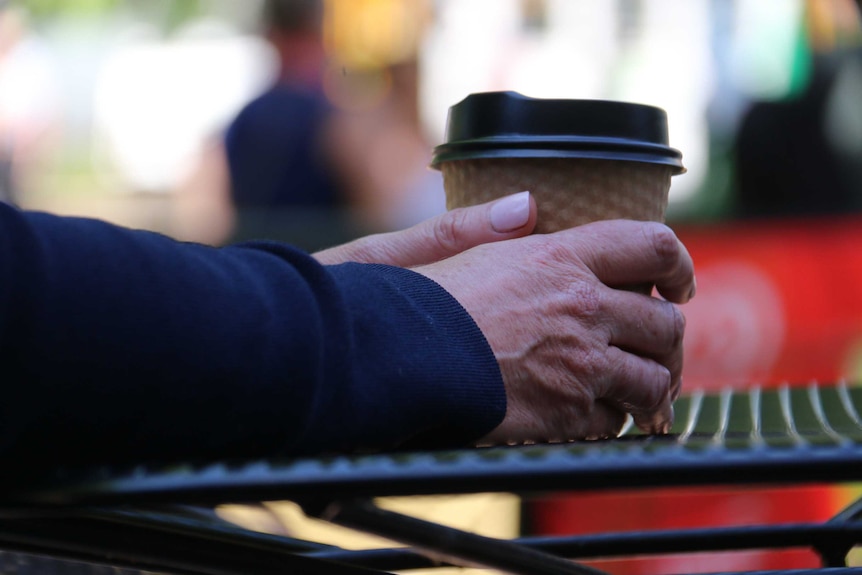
(508, 124)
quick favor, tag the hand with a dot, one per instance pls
(576, 350)
(446, 235)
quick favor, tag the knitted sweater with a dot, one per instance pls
(122, 346)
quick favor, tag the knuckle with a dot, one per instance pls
(589, 365)
(617, 364)
(669, 330)
(555, 260)
(447, 230)
(584, 299)
(664, 244)
(597, 362)
(551, 252)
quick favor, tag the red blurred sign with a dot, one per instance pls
(777, 302)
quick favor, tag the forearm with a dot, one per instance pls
(125, 345)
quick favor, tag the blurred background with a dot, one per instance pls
(313, 122)
(113, 108)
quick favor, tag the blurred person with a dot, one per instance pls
(29, 109)
(322, 156)
(276, 148)
(271, 168)
(128, 346)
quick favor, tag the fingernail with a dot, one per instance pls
(511, 212)
(693, 287)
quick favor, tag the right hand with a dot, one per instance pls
(577, 350)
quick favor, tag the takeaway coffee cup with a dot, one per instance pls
(583, 160)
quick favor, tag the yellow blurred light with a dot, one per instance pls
(832, 24)
(373, 33)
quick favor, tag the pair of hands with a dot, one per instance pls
(577, 350)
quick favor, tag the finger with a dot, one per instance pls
(624, 253)
(641, 387)
(680, 284)
(443, 236)
(463, 228)
(647, 325)
(658, 422)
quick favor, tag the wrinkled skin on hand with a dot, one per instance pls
(576, 350)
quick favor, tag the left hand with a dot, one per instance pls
(446, 235)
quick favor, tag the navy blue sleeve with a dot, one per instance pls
(121, 345)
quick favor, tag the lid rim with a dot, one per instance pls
(558, 142)
(539, 153)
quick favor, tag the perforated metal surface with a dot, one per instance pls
(803, 434)
(757, 436)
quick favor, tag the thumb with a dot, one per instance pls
(443, 236)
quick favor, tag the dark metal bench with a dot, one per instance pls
(152, 518)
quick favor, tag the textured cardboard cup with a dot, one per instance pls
(568, 191)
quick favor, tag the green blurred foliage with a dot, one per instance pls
(46, 9)
(168, 14)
